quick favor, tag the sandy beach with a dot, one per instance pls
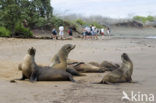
(141, 51)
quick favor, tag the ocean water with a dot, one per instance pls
(151, 37)
(134, 32)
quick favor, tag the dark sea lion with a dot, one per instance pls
(47, 73)
(123, 74)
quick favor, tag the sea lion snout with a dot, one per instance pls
(73, 46)
(68, 47)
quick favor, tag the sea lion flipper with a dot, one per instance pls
(77, 64)
(71, 78)
(33, 77)
(22, 78)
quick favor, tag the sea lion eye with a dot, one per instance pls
(68, 48)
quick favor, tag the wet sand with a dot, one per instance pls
(12, 51)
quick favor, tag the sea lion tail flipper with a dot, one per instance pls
(77, 64)
(81, 74)
(12, 81)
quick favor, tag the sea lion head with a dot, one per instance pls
(67, 48)
(125, 57)
(31, 51)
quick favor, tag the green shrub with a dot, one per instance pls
(80, 22)
(143, 19)
(96, 24)
(4, 32)
(56, 21)
(41, 22)
(21, 31)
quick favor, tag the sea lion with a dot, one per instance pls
(59, 61)
(46, 73)
(33, 72)
(85, 67)
(27, 65)
(109, 65)
(123, 74)
(94, 63)
(73, 71)
(106, 64)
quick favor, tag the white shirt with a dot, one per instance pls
(102, 30)
(61, 28)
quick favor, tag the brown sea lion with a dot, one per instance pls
(73, 71)
(85, 67)
(94, 63)
(59, 61)
(123, 74)
(33, 72)
(27, 65)
(106, 64)
(109, 65)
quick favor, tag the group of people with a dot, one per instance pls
(61, 33)
(89, 32)
(92, 32)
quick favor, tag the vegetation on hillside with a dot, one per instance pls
(30, 13)
(144, 19)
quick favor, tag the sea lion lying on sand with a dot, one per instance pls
(106, 64)
(85, 67)
(123, 74)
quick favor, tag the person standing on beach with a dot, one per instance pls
(61, 33)
(108, 32)
(54, 33)
(96, 33)
(70, 32)
(84, 33)
(93, 31)
(88, 32)
(102, 33)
